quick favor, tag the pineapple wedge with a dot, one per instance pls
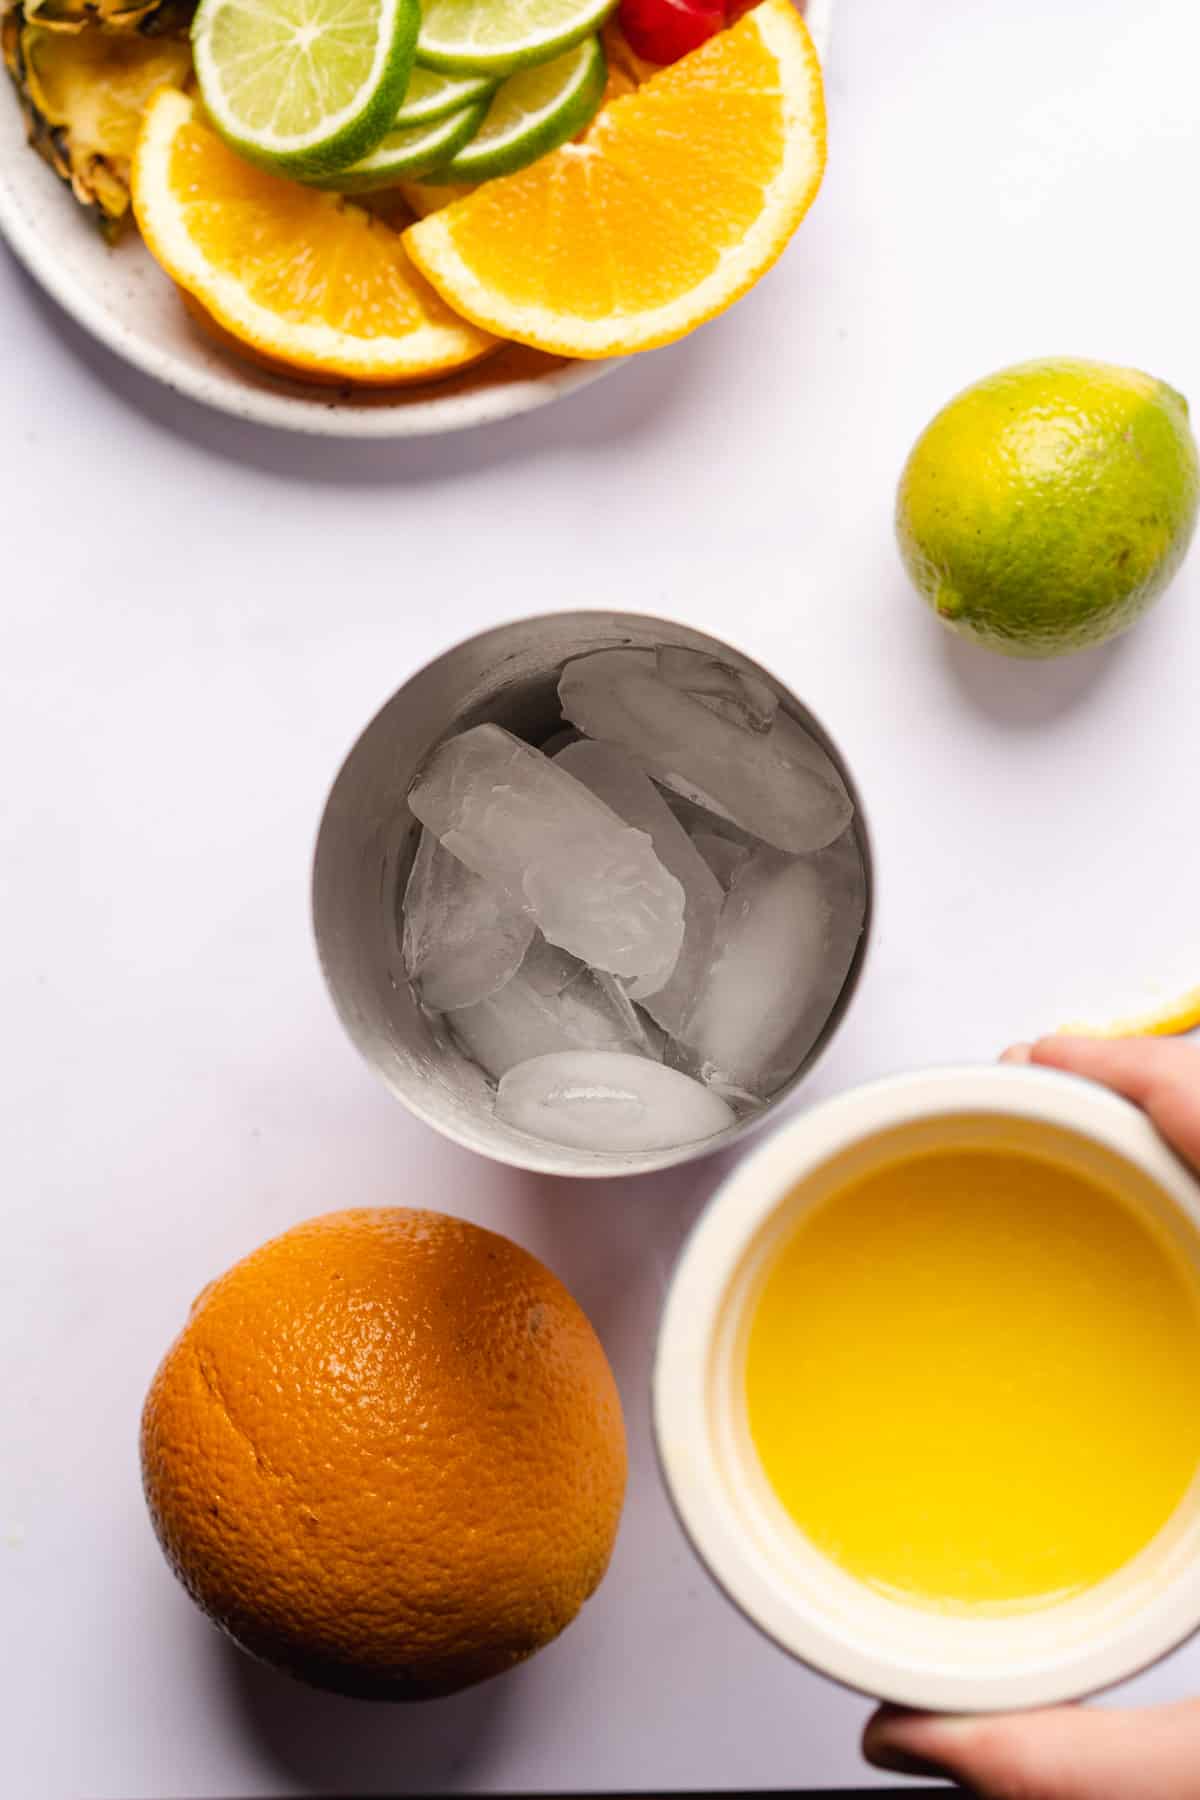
(83, 94)
(153, 18)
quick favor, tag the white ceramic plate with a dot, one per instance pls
(122, 298)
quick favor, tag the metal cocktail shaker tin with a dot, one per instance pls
(368, 837)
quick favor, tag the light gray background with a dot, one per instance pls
(197, 621)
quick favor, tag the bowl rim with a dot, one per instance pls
(228, 389)
(733, 1219)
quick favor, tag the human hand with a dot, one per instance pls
(1161, 1075)
(1066, 1753)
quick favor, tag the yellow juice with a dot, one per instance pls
(973, 1379)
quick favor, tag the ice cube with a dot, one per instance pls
(616, 779)
(745, 700)
(623, 1006)
(521, 1020)
(778, 785)
(549, 971)
(744, 1103)
(698, 820)
(606, 1100)
(559, 740)
(592, 883)
(783, 949)
(654, 1037)
(460, 938)
(723, 855)
(800, 749)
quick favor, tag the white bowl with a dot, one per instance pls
(769, 1569)
(125, 301)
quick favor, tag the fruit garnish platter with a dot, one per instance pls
(392, 218)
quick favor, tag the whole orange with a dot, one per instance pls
(386, 1453)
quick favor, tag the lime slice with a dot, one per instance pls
(432, 95)
(408, 153)
(493, 37)
(304, 86)
(532, 112)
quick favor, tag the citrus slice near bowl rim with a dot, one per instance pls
(297, 276)
(431, 95)
(309, 90)
(680, 197)
(410, 153)
(532, 113)
(472, 38)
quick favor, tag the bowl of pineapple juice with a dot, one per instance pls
(927, 1391)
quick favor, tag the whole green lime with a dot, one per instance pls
(1045, 507)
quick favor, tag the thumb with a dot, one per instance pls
(1063, 1754)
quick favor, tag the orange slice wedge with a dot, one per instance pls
(1171, 1018)
(679, 198)
(297, 277)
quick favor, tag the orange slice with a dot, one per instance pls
(680, 197)
(296, 276)
(1171, 1018)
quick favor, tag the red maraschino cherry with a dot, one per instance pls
(664, 30)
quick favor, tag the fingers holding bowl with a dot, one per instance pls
(1160, 1075)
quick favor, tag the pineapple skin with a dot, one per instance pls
(79, 87)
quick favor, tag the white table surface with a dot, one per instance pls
(197, 621)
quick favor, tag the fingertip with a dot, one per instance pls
(879, 1721)
(898, 1762)
(1126, 1063)
(907, 1743)
(1017, 1053)
(1095, 1058)
(1060, 1048)
(880, 1750)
